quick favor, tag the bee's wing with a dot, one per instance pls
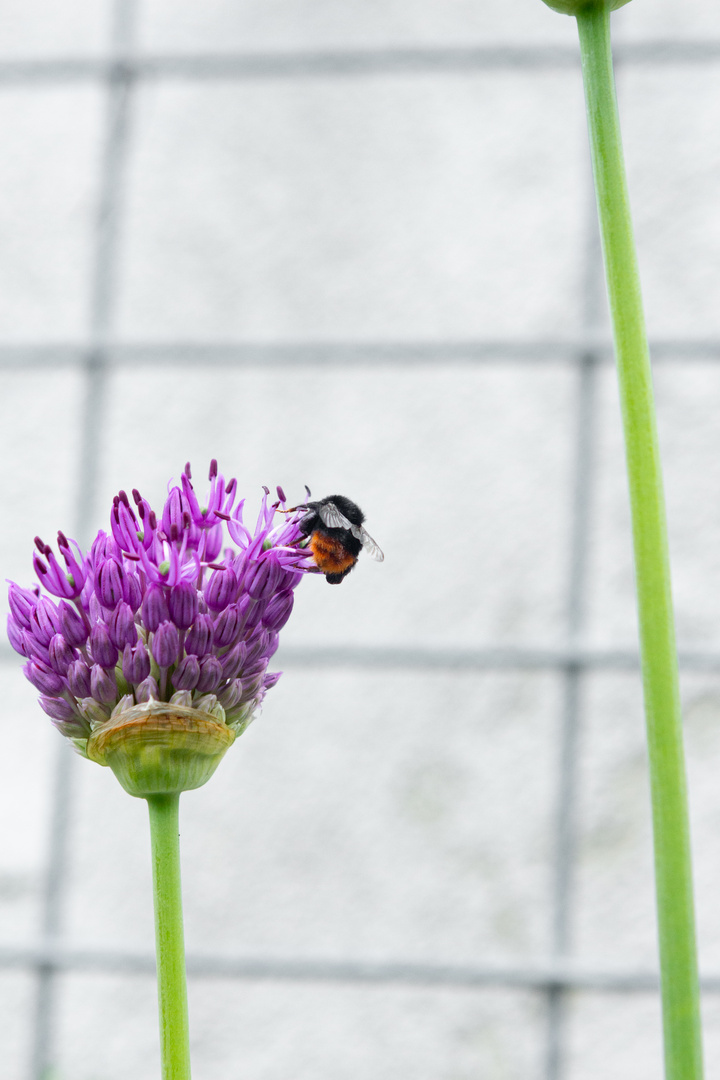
(331, 516)
(368, 543)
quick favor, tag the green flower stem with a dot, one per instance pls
(169, 940)
(676, 921)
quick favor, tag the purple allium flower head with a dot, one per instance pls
(181, 606)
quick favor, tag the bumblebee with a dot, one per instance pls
(335, 528)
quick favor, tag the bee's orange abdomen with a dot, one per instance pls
(330, 555)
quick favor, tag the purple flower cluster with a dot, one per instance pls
(161, 609)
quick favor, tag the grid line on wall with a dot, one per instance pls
(120, 73)
(123, 64)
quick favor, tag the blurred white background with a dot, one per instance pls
(352, 245)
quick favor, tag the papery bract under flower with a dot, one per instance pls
(150, 615)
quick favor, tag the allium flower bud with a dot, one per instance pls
(231, 695)
(232, 662)
(187, 674)
(222, 589)
(251, 688)
(133, 591)
(264, 579)
(121, 626)
(60, 654)
(103, 684)
(211, 675)
(148, 690)
(58, 708)
(101, 647)
(43, 677)
(136, 663)
(78, 679)
(166, 644)
(278, 611)
(34, 648)
(200, 636)
(109, 583)
(103, 547)
(72, 627)
(174, 512)
(44, 621)
(154, 607)
(76, 729)
(257, 646)
(228, 627)
(15, 637)
(22, 604)
(183, 605)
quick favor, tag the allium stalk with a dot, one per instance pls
(169, 937)
(673, 873)
(151, 656)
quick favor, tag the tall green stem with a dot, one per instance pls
(676, 921)
(169, 940)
